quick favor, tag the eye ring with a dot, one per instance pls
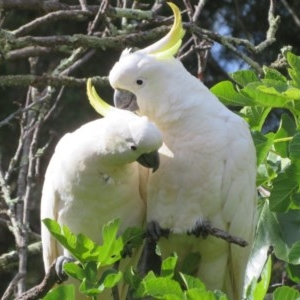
(140, 82)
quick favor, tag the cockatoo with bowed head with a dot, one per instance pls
(93, 177)
(208, 161)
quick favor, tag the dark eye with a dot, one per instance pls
(133, 148)
(140, 82)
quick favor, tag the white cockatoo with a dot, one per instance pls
(93, 177)
(207, 163)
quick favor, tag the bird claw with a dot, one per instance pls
(155, 232)
(201, 228)
(59, 267)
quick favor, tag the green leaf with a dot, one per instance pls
(226, 92)
(168, 266)
(294, 147)
(262, 286)
(133, 237)
(288, 235)
(294, 254)
(132, 278)
(110, 251)
(263, 144)
(196, 294)
(266, 94)
(286, 293)
(74, 270)
(273, 74)
(111, 278)
(191, 282)
(243, 77)
(294, 272)
(160, 288)
(255, 116)
(283, 188)
(266, 226)
(66, 292)
(294, 72)
(286, 130)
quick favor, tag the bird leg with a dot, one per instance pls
(155, 232)
(204, 228)
(59, 267)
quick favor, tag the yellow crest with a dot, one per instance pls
(170, 43)
(100, 106)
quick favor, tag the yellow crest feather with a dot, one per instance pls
(100, 106)
(170, 43)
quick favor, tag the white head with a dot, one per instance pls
(146, 73)
(128, 137)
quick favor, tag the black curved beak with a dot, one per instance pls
(125, 100)
(149, 160)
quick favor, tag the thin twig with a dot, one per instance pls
(83, 5)
(21, 110)
(292, 12)
(224, 235)
(44, 287)
(55, 81)
(12, 285)
(204, 229)
(79, 15)
(10, 259)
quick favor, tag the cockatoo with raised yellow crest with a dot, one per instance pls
(208, 161)
(94, 177)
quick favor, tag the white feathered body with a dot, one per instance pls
(207, 170)
(88, 183)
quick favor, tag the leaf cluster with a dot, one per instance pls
(278, 158)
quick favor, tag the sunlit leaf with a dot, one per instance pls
(263, 144)
(286, 293)
(282, 137)
(263, 284)
(168, 266)
(255, 116)
(273, 74)
(110, 251)
(243, 77)
(226, 92)
(66, 292)
(191, 282)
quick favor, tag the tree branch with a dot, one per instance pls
(44, 287)
(10, 259)
(10, 42)
(55, 81)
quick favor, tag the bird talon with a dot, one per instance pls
(155, 232)
(201, 228)
(59, 267)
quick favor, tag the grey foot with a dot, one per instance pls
(201, 228)
(59, 267)
(155, 232)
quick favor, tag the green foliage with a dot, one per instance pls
(66, 292)
(93, 257)
(169, 286)
(278, 163)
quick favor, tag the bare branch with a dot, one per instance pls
(55, 81)
(10, 259)
(12, 285)
(292, 12)
(80, 40)
(78, 15)
(28, 52)
(224, 235)
(44, 287)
